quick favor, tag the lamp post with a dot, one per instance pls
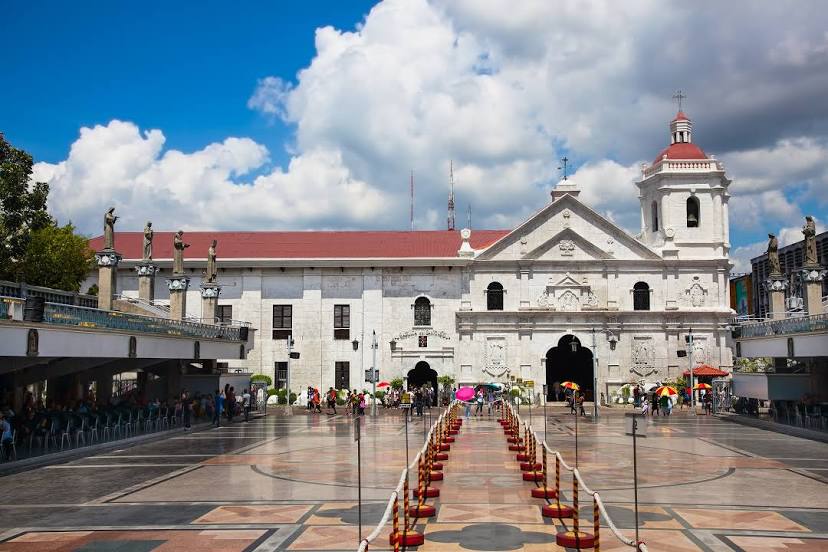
(692, 382)
(374, 372)
(288, 410)
(574, 345)
(594, 378)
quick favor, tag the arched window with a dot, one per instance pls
(693, 212)
(654, 209)
(494, 296)
(422, 312)
(641, 296)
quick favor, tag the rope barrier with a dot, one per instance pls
(598, 508)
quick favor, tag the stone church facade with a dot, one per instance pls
(567, 295)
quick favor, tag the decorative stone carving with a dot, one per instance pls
(810, 246)
(109, 228)
(210, 291)
(566, 214)
(773, 256)
(148, 234)
(107, 259)
(496, 356)
(776, 284)
(544, 300)
(178, 283)
(567, 248)
(568, 302)
(178, 253)
(643, 356)
(212, 270)
(146, 269)
(812, 274)
(696, 294)
(591, 300)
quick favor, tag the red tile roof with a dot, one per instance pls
(681, 150)
(306, 245)
(705, 370)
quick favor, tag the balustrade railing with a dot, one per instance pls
(785, 326)
(14, 289)
(72, 315)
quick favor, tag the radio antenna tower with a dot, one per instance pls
(411, 191)
(451, 196)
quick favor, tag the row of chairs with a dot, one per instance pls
(65, 430)
(797, 414)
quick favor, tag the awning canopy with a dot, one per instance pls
(705, 370)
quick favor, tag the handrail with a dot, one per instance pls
(363, 545)
(640, 546)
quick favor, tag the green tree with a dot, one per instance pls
(22, 207)
(56, 257)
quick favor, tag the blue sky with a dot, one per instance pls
(310, 115)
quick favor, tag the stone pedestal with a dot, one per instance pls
(812, 277)
(178, 284)
(107, 261)
(776, 284)
(209, 302)
(146, 281)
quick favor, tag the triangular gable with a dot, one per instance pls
(570, 235)
(568, 282)
(544, 215)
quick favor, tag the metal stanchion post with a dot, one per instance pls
(359, 476)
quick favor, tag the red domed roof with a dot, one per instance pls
(680, 116)
(681, 150)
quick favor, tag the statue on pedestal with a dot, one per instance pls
(809, 230)
(773, 256)
(212, 270)
(109, 228)
(178, 258)
(148, 242)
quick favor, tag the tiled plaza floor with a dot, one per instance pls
(283, 483)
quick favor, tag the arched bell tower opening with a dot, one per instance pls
(423, 374)
(569, 361)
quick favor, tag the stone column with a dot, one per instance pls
(146, 281)
(107, 261)
(209, 301)
(812, 277)
(178, 284)
(776, 284)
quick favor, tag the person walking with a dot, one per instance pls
(479, 400)
(187, 406)
(246, 404)
(230, 404)
(580, 399)
(418, 401)
(636, 396)
(218, 408)
(556, 389)
(490, 399)
(332, 401)
(655, 404)
(362, 403)
(468, 406)
(645, 406)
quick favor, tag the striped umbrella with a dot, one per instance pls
(570, 385)
(666, 391)
(704, 386)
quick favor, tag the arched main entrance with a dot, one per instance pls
(564, 364)
(422, 374)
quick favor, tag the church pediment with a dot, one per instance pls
(566, 229)
(567, 244)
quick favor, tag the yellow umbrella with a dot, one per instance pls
(666, 391)
(702, 386)
(570, 385)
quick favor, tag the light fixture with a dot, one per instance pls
(393, 344)
(574, 345)
(355, 343)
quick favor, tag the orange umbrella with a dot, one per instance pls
(703, 386)
(570, 385)
(666, 391)
(383, 384)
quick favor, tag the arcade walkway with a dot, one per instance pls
(290, 484)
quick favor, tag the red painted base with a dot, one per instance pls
(579, 540)
(457, 422)
(448, 439)
(514, 440)
(503, 422)
(556, 511)
(544, 492)
(530, 466)
(445, 446)
(437, 466)
(426, 510)
(453, 432)
(430, 492)
(532, 476)
(517, 448)
(435, 476)
(522, 457)
(408, 538)
(441, 456)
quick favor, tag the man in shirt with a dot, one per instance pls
(246, 404)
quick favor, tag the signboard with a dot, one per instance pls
(636, 420)
(405, 400)
(530, 384)
(368, 377)
(294, 355)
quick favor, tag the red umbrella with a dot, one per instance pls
(383, 384)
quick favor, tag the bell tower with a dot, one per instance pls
(683, 194)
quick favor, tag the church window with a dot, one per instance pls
(342, 373)
(282, 321)
(422, 312)
(641, 296)
(692, 212)
(342, 321)
(654, 209)
(280, 370)
(494, 296)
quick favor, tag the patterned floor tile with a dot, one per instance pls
(778, 544)
(254, 514)
(157, 541)
(344, 537)
(477, 513)
(757, 520)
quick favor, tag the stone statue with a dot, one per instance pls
(212, 271)
(809, 230)
(148, 241)
(773, 255)
(180, 246)
(109, 228)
